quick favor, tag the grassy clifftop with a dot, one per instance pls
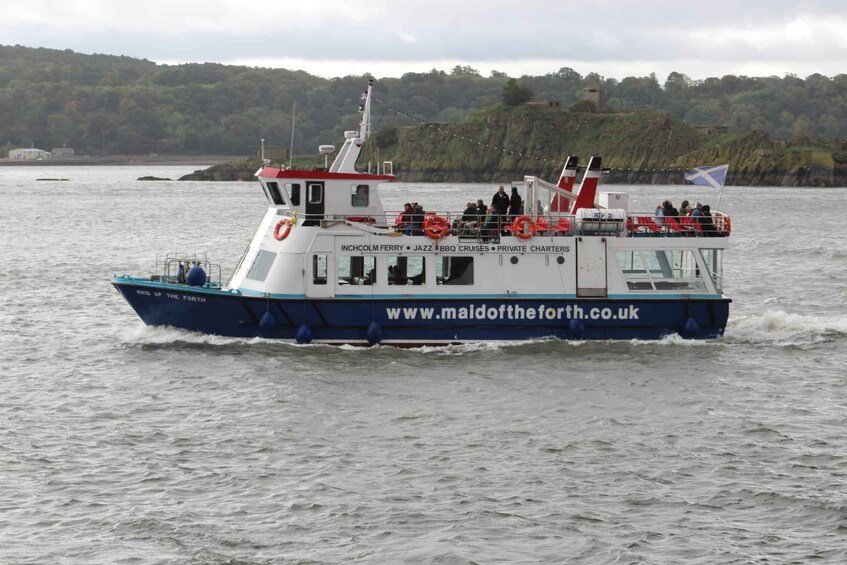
(501, 143)
(641, 147)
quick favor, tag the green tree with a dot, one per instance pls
(514, 93)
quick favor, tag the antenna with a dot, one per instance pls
(291, 148)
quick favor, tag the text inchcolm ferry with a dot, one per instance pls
(328, 265)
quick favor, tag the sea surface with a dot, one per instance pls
(125, 444)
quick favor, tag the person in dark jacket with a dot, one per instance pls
(418, 215)
(481, 211)
(469, 218)
(706, 222)
(515, 204)
(668, 210)
(501, 201)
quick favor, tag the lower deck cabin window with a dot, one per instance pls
(261, 266)
(454, 270)
(356, 270)
(319, 269)
(660, 269)
(407, 270)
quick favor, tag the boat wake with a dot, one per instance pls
(165, 337)
(777, 327)
(152, 337)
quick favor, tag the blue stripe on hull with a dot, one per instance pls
(424, 320)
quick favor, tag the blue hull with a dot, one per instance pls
(414, 321)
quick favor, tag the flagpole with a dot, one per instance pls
(720, 194)
(291, 145)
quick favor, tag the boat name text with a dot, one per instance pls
(170, 295)
(460, 248)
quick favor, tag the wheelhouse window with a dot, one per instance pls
(359, 195)
(261, 266)
(356, 269)
(293, 191)
(274, 194)
(407, 270)
(659, 269)
(316, 193)
(319, 269)
(454, 270)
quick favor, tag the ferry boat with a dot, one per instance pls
(327, 264)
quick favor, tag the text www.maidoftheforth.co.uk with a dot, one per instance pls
(512, 312)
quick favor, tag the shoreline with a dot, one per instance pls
(152, 160)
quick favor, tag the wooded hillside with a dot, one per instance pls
(105, 105)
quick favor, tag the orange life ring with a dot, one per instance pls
(283, 228)
(436, 227)
(728, 225)
(519, 226)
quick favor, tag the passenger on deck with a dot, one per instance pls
(481, 211)
(405, 221)
(685, 209)
(515, 204)
(668, 211)
(469, 218)
(417, 218)
(658, 216)
(697, 211)
(180, 274)
(491, 228)
(500, 201)
(706, 222)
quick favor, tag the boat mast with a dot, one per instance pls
(345, 162)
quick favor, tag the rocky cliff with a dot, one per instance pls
(506, 143)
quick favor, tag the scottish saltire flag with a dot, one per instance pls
(708, 176)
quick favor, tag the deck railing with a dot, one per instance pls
(168, 268)
(484, 228)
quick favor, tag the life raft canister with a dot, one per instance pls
(523, 227)
(436, 227)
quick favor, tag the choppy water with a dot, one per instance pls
(126, 444)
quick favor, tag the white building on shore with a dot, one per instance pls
(63, 153)
(29, 154)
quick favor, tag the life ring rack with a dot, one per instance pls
(723, 223)
(520, 226)
(436, 227)
(283, 227)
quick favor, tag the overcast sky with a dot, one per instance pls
(331, 38)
